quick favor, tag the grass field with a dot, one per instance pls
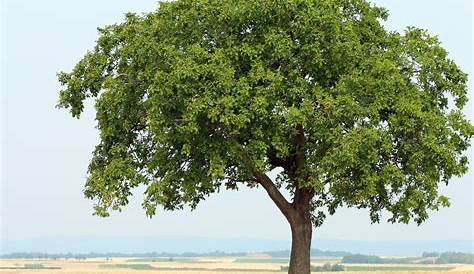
(208, 265)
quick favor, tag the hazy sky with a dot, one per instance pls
(45, 152)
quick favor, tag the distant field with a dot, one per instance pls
(360, 268)
(283, 260)
(205, 265)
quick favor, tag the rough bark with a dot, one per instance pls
(300, 258)
(301, 232)
(298, 212)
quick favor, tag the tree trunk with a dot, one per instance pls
(301, 232)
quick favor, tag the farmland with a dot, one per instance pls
(205, 265)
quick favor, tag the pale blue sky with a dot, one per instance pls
(44, 152)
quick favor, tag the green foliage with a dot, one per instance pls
(200, 94)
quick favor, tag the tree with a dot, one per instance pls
(202, 95)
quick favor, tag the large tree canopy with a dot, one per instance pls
(202, 95)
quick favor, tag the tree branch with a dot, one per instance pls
(274, 193)
(300, 143)
(274, 160)
(296, 159)
(303, 195)
(271, 189)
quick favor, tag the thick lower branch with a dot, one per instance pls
(274, 193)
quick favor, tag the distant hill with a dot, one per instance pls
(146, 256)
(180, 244)
(169, 244)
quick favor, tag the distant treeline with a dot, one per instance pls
(279, 254)
(38, 255)
(371, 259)
(362, 259)
(314, 253)
(427, 258)
(450, 257)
